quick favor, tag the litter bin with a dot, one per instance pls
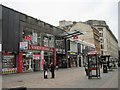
(105, 68)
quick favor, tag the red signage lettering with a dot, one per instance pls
(28, 38)
(31, 47)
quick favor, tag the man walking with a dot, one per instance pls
(45, 70)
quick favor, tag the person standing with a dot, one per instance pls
(52, 69)
(86, 68)
(45, 66)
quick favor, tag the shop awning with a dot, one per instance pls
(72, 33)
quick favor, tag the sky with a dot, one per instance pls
(53, 11)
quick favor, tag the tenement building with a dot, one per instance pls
(108, 42)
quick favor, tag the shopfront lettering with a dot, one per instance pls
(31, 47)
(27, 38)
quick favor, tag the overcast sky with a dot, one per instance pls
(52, 11)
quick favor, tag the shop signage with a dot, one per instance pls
(36, 56)
(73, 53)
(75, 37)
(23, 45)
(31, 47)
(28, 38)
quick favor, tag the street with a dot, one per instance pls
(65, 78)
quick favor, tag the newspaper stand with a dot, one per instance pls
(93, 64)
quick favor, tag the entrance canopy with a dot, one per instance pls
(72, 33)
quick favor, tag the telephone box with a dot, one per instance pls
(93, 64)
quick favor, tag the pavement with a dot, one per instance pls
(64, 78)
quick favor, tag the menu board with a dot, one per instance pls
(8, 61)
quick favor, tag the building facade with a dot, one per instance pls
(109, 43)
(91, 34)
(27, 42)
(86, 42)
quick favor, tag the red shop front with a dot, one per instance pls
(46, 53)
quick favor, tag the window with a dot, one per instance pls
(100, 29)
(102, 52)
(45, 41)
(39, 39)
(51, 41)
(102, 47)
(48, 40)
(60, 43)
(101, 34)
(102, 40)
(31, 36)
(27, 36)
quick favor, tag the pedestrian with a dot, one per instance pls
(86, 68)
(52, 69)
(45, 66)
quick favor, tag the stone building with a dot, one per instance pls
(108, 42)
(91, 34)
(87, 42)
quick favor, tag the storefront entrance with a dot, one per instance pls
(72, 60)
(31, 61)
(61, 61)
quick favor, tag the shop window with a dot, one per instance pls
(48, 40)
(60, 44)
(45, 41)
(39, 39)
(51, 41)
(34, 38)
(27, 36)
(31, 36)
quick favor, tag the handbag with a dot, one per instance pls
(46, 73)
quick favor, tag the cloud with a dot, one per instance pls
(52, 11)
